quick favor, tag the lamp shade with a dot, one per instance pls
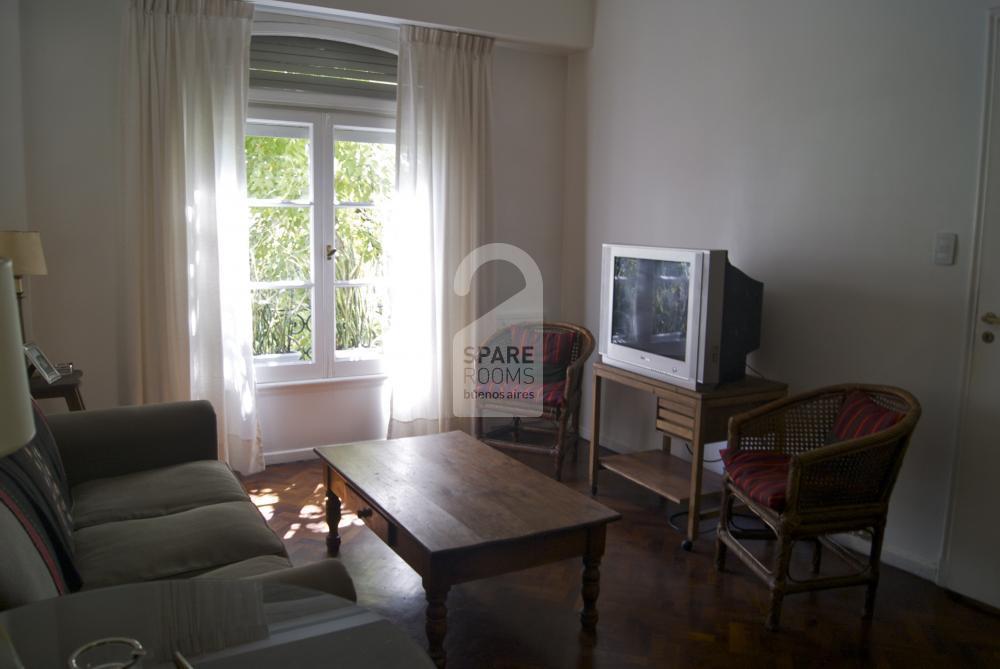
(25, 249)
(17, 422)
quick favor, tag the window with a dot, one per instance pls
(318, 186)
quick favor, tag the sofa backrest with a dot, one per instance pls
(37, 529)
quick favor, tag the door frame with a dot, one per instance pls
(991, 89)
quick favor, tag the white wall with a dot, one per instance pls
(13, 214)
(69, 53)
(823, 144)
(529, 92)
(295, 418)
(553, 23)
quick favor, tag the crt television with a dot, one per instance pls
(685, 316)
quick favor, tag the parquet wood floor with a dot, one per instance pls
(659, 606)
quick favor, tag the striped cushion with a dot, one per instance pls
(556, 347)
(552, 393)
(763, 475)
(33, 487)
(860, 416)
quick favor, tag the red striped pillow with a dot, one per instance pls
(860, 416)
(556, 348)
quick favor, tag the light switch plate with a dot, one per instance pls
(945, 245)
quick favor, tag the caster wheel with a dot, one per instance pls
(687, 545)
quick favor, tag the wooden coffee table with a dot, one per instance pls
(456, 510)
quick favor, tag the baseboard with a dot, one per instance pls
(292, 455)
(891, 557)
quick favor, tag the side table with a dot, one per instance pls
(67, 388)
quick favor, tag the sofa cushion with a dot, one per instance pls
(156, 492)
(187, 542)
(328, 575)
(255, 566)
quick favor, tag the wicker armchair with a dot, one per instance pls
(831, 486)
(561, 399)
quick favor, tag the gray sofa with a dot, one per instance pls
(134, 494)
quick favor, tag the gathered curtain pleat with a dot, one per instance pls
(185, 292)
(442, 206)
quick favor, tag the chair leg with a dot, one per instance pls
(560, 445)
(873, 568)
(780, 574)
(479, 427)
(576, 434)
(725, 511)
(817, 556)
(517, 429)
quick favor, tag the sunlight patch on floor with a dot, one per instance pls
(265, 498)
(319, 528)
(311, 511)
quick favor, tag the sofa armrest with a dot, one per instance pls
(327, 576)
(112, 442)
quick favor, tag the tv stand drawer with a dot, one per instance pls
(675, 415)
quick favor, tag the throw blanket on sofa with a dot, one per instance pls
(33, 486)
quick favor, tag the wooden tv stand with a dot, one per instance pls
(697, 416)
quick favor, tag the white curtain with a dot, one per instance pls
(443, 203)
(186, 317)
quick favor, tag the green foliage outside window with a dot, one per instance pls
(363, 173)
(281, 242)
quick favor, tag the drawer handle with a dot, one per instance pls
(365, 513)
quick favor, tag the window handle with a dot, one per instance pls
(330, 251)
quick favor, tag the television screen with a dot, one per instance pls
(650, 305)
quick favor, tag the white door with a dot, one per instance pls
(971, 564)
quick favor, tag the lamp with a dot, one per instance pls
(25, 249)
(17, 422)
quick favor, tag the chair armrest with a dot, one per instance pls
(327, 576)
(112, 442)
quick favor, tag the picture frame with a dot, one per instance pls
(45, 368)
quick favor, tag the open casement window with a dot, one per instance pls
(319, 185)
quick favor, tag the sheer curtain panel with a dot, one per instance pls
(443, 202)
(186, 327)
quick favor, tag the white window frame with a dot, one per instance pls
(326, 122)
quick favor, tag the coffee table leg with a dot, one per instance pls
(437, 622)
(592, 578)
(333, 521)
